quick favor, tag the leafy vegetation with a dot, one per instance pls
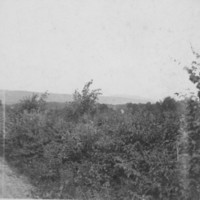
(92, 151)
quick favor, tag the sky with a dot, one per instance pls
(126, 47)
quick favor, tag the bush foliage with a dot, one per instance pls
(92, 151)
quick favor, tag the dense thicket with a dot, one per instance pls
(93, 151)
(89, 150)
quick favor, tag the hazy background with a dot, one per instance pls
(126, 47)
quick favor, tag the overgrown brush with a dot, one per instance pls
(97, 152)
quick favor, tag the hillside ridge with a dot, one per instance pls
(14, 96)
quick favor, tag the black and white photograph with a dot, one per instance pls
(100, 99)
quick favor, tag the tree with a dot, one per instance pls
(192, 117)
(86, 99)
(83, 103)
(169, 104)
(194, 71)
(33, 103)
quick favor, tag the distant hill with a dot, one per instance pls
(13, 97)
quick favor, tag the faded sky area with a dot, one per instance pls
(126, 47)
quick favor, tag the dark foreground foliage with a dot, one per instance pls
(91, 151)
